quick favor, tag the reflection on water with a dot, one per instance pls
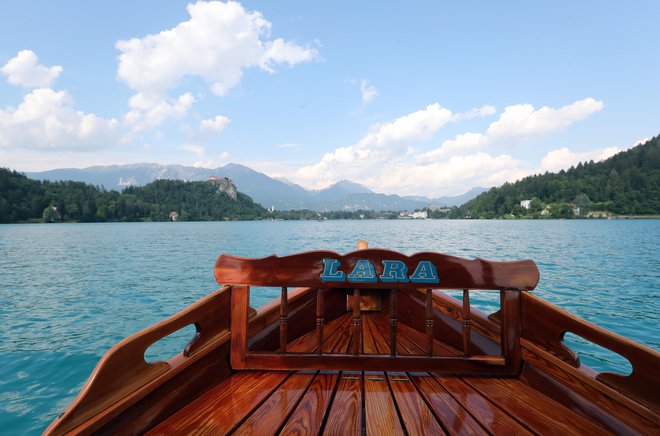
(71, 291)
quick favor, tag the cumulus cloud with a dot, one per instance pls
(386, 159)
(196, 149)
(222, 159)
(47, 120)
(384, 143)
(217, 43)
(516, 124)
(564, 158)
(523, 121)
(368, 92)
(24, 70)
(482, 111)
(448, 177)
(214, 125)
(148, 111)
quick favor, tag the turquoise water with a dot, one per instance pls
(71, 291)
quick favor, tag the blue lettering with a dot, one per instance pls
(363, 272)
(425, 273)
(394, 271)
(330, 271)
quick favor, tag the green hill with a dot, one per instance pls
(24, 200)
(625, 184)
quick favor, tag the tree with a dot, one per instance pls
(51, 214)
(583, 204)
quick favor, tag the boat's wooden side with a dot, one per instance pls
(577, 386)
(124, 391)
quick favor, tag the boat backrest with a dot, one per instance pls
(376, 269)
(379, 270)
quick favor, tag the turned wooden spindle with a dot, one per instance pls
(357, 322)
(393, 321)
(320, 320)
(429, 322)
(467, 322)
(284, 315)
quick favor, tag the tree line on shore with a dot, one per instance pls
(625, 184)
(25, 200)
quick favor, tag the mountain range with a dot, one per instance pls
(269, 192)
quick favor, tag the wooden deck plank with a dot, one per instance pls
(488, 414)
(454, 418)
(536, 411)
(412, 341)
(368, 344)
(308, 341)
(341, 340)
(345, 415)
(223, 407)
(380, 411)
(375, 339)
(307, 418)
(272, 414)
(415, 414)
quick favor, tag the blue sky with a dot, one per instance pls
(428, 98)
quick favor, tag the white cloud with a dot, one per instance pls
(563, 158)
(47, 120)
(222, 159)
(641, 141)
(368, 92)
(281, 51)
(482, 111)
(524, 122)
(217, 43)
(518, 123)
(386, 160)
(196, 149)
(384, 143)
(214, 125)
(453, 176)
(23, 70)
(148, 111)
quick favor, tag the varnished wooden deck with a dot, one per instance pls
(271, 402)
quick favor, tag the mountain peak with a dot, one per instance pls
(348, 187)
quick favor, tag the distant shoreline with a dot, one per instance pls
(612, 217)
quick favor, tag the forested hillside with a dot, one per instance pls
(627, 184)
(23, 200)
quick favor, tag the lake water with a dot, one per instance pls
(71, 291)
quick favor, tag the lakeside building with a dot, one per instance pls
(420, 215)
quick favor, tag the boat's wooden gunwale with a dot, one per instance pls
(87, 416)
(581, 380)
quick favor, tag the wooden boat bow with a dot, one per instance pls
(368, 342)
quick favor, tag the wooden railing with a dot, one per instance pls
(124, 373)
(384, 272)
